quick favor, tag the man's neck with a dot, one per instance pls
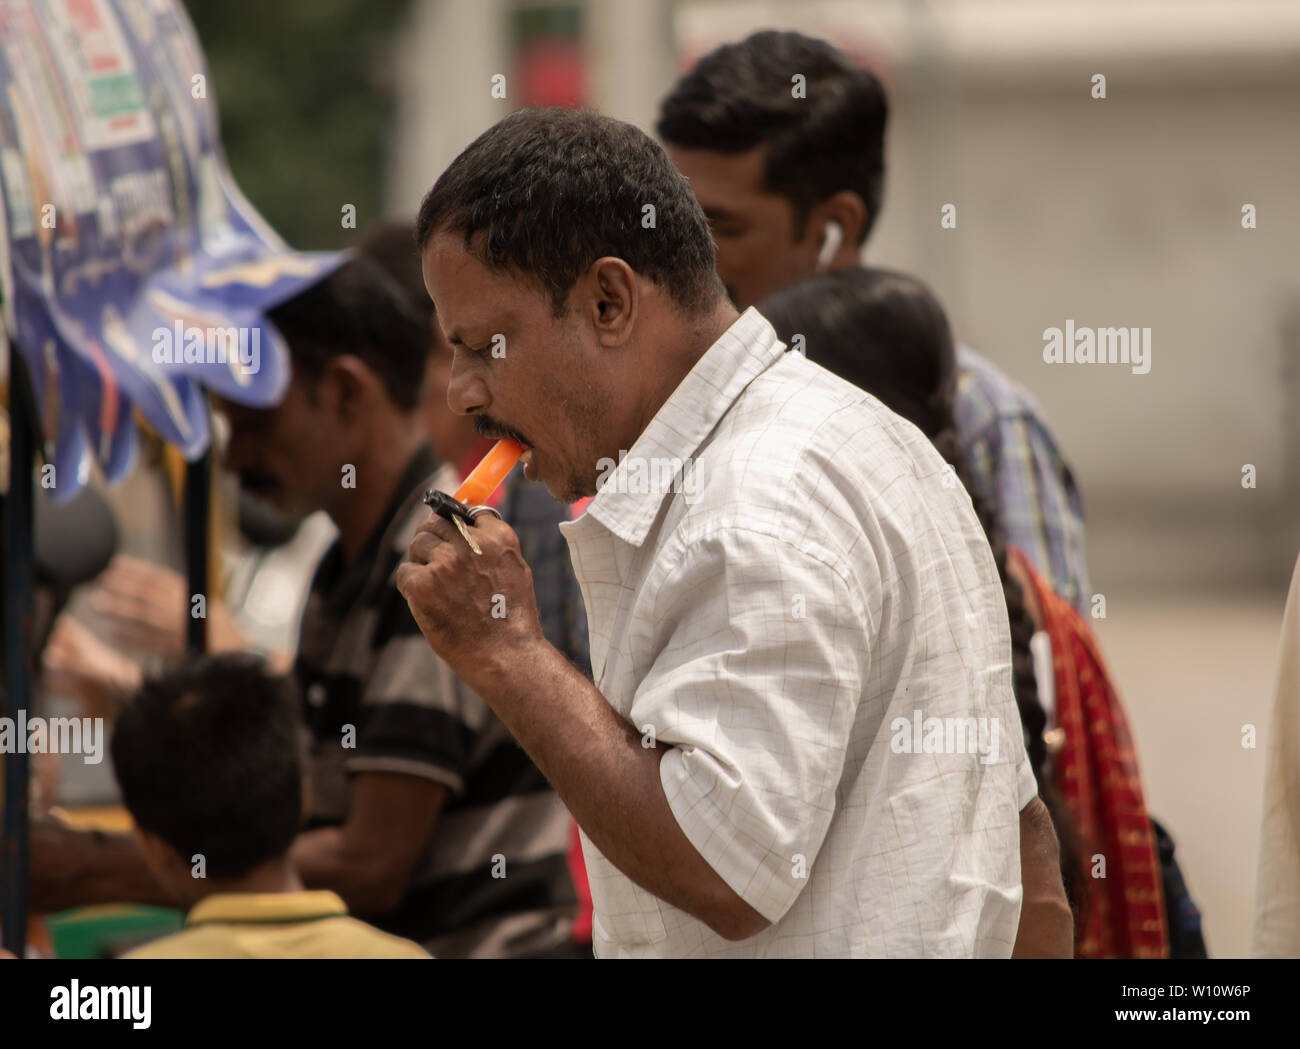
(359, 510)
(696, 336)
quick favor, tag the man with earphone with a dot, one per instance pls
(832, 240)
(791, 185)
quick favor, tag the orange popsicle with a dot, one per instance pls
(492, 469)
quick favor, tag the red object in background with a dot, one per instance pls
(578, 872)
(549, 72)
(1098, 777)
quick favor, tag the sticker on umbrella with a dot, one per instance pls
(134, 274)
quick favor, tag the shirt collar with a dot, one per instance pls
(257, 908)
(742, 353)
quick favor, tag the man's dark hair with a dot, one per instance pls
(390, 244)
(207, 757)
(553, 190)
(358, 310)
(740, 96)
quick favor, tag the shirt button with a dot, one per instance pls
(316, 694)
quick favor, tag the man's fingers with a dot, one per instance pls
(140, 579)
(492, 527)
(159, 609)
(423, 546)
(402, 579)
(439, 527)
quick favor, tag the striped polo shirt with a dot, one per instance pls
(492, 879)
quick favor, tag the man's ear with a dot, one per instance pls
(347, 383)
(612, 293)
(848, 209)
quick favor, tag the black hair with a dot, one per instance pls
(207, 756)
(553, 190)
(740, 96)
(390, 244)
(358, 310)
(885, 332)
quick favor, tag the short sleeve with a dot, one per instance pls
(755, 687)
(1027, 785)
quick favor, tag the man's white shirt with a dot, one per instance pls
(810, 620)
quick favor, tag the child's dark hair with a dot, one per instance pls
(886, 333)
(207, 757)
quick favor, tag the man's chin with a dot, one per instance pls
(563, 490)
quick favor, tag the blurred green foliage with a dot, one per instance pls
(305, 92)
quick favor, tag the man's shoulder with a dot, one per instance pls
(802, 433)
(814, 462)
(984, 385)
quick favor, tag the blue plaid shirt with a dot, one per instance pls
(1014, 461)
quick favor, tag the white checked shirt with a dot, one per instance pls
(815, 579)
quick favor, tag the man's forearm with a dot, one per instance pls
(1046, 922)
(324, 861)
(610, 782)
(75, 868)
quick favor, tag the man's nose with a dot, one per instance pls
(467, 394)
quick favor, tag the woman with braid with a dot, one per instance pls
(886, 333)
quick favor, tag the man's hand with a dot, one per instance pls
(1046, 923)
(144, 606)
(76, 663)
(474, 610)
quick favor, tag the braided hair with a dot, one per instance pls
(885, 332)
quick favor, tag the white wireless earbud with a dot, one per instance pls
(832, 238)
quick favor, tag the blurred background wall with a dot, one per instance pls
(1117, 212)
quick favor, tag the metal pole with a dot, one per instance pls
(198, 501)
(19, 582)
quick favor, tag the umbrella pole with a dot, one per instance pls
(197, 512)
(19, 584)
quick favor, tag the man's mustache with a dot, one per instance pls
(486, 426)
